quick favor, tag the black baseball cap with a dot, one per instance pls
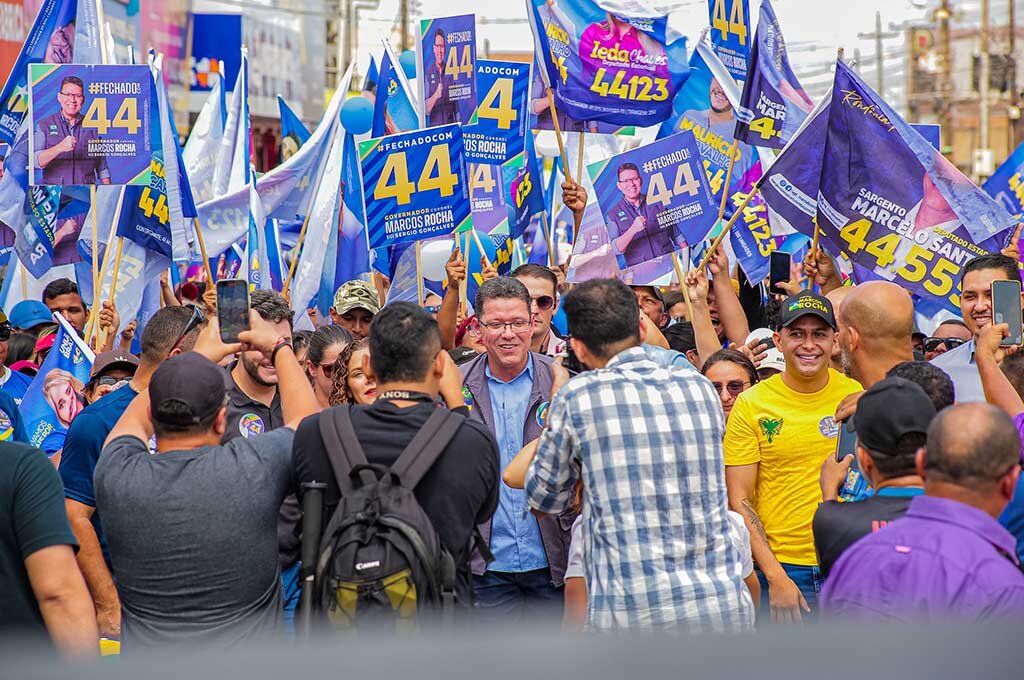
(185, 390)
(801, 304)
(889, 410)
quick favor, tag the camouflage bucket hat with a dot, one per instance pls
(356, 295)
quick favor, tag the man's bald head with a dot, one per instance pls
(879, 310)
(972, 445)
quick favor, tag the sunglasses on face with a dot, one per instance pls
(110, 381)
(932, 344)
(432, 309)
(544, 302)
(733, 386)
(5, 331)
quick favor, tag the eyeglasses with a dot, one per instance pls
(498, 326)
(631, 180)
(197, 318)
(932, 344)
(733, 386)
(432, 309)
(70, 95)
(544, 302)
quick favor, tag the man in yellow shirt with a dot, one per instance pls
(777, 436)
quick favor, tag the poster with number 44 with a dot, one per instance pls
(90, 124)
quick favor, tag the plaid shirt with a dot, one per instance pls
(646, 433)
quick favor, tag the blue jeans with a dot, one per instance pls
(290, 595)
(509, 598)
(807, 579)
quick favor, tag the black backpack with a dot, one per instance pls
(381, 563)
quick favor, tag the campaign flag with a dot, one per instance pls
(730, 33)
(394, 108)
(323, 223)
(893, 204)
(620, 67)
(293, 131)
(524, 194)
(257, 260)
(933, 133)
(707, 105)
(90, 124)
(592, 253)
(487, 198)
(201, 148)
(540, 112)
(55, 396)
(372, 77)
(286, 191)
(497, 130)
(498, 249)
(348, 254)
(231, 173)
(401, 270)
(436, 202)
(50, 40)
(655, 199)
(774, 103)
(446, 69)
(1006, 184)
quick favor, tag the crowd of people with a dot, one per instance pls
(613, 457)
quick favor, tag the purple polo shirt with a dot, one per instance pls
(943, 558)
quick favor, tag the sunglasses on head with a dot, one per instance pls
(544, 302)
(197, 318)
(932, 344)
(733, 386)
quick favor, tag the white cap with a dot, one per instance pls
(773, 356)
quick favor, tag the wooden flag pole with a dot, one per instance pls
(558, 136)
(102, 340)
(483, 253)
(95, 250)
(682, 284)
(464, 283)
(721, 237)
(92, 325)
(728, 180)
(298, 251)
(419, 273)
(547, 238)
(202, 250)
(579, 159)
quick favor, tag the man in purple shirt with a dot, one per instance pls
(948, 556)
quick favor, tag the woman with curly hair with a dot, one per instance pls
(351, 385)
(325, 345)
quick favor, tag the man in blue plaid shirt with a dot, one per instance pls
(644, 432)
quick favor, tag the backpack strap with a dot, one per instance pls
(425, 448)
(342, 446)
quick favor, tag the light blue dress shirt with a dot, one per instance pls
(963, 371)
(515, 535)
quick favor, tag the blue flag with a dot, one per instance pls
(774, 103)
(730, 34)
(51, 41)
(394, 109)
(372, 76)
(1006, 184)
(294, 132)
(893, 204)
(55, 396)
(606, 65)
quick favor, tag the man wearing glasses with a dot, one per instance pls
(170, 331)
(633, 223)
(508, 388)
(63, 142)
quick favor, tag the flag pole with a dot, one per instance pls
(547, 237)
(419, 273)
(464, 283)
(558, 135)
(102, 340)
(202, 251)
(682, 284)
(92, 324)
(95, 250)
(483, 253)
(579, 159)
(721, 237)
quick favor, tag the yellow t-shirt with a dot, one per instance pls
(789, 434)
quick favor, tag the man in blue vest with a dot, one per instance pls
(63, 141)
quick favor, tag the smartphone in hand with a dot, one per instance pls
(846, 443)
(1006, 308)
(779, 271)
(232, 308)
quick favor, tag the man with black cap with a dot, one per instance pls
(192, 529)
(169, 332)
(892, 422)
(779, 432)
